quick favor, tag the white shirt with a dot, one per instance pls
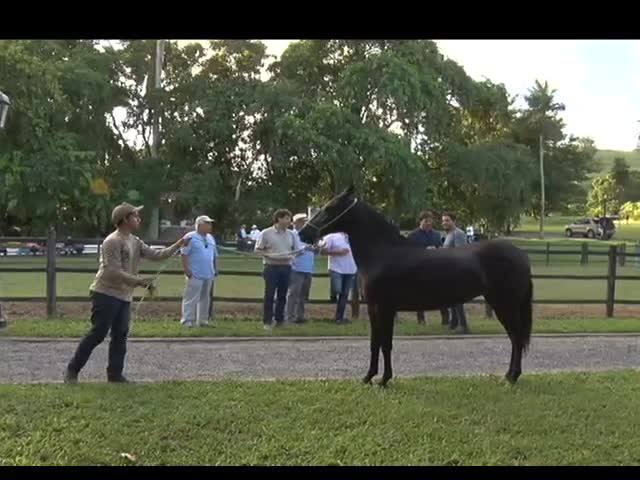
(344, 264)
(254, 234)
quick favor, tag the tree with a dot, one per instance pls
(568, 161)
(604, 196)
(620, 171)
(379, 113)
(57, 138)
(495, 181)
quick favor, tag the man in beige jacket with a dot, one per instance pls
(112, 291)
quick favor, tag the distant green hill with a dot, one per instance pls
(606, 159)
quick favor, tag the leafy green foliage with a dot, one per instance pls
(604, 196)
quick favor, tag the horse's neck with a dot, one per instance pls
(369, 239)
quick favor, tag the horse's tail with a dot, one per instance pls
(523, 333)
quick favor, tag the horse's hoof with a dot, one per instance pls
(384, 383)
(512, 379)
(366, 380)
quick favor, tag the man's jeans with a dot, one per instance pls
(276, 283)
(299, 287)
(107, 313)
(444, 313)
(341, 285)
(458, 317)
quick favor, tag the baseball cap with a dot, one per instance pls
(203, 219)
(299, 216)
(121, 211)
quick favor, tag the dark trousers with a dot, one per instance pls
(107, 313)
(444, 313)
(458, 317)
(276, 283)
(341, 285)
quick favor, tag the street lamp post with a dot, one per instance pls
(5, 103)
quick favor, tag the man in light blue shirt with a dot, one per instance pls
(200, 262)
(301, 274)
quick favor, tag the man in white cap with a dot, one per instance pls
(254, 233)
(112, 291)
(200, 262)
(301, 273)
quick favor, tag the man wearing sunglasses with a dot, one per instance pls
(200, 262)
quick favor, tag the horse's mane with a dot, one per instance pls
(381, 227)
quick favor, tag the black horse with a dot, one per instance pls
(401, 277)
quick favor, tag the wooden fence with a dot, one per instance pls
(615, 255)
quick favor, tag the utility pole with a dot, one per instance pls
(154, 218)
(542, 199)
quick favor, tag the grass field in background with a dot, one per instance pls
(625, 232)
(253, 328)
(546, 419)
(606, 158)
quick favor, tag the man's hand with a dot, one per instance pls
(145, 282)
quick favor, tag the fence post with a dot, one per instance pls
(51, 272)
(355, 298)
(548, 248)
(611, 280)
(584, 258)
(622, 254)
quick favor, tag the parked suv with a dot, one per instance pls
(599, 227)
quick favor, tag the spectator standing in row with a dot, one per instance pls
(112, 291)
(426, 237)
(301, 275)
(455, 238)
(254, 233)
(342, 270)
(200, 262)
(277, 245)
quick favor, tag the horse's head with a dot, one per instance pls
(330, 218)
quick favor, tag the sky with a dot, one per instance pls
(597, 80)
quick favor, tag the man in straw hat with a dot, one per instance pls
(112, 291)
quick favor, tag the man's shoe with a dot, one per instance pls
(70, 377)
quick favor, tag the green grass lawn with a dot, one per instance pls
(253, 328)
(547, 419)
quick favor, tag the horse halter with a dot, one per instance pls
(318, 229)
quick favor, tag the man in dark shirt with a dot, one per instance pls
(426, 237)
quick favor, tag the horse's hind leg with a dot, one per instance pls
(375, 343)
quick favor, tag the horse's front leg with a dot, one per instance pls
(386, 321)
(375, 345)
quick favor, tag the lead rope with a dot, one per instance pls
(150, 291)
